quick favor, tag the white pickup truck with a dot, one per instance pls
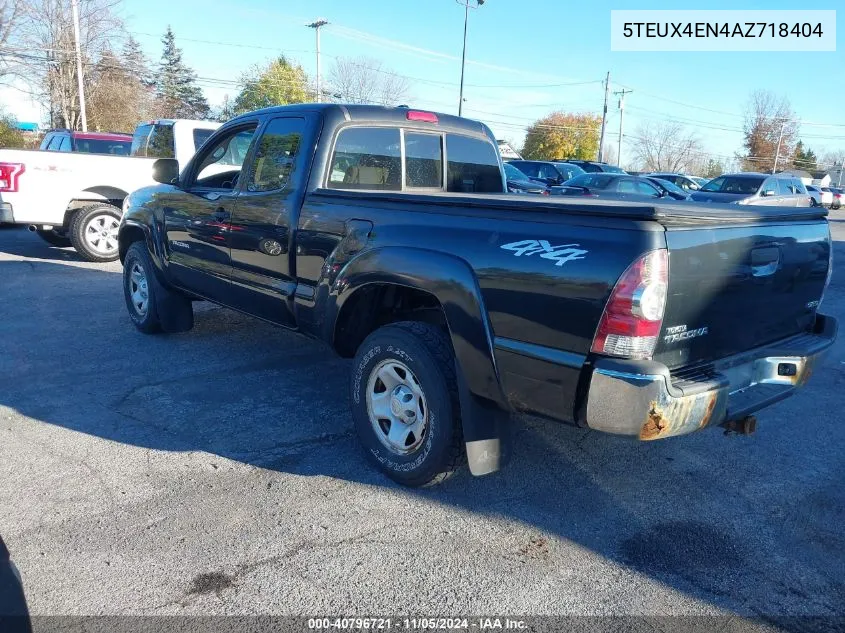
(71, 198)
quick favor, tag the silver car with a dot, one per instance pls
(755, 189)
(684, 182)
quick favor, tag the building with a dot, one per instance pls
(805, 176)
(821, 179)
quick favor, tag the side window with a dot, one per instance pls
(529, 169)
(366, 158)
(423, 160)
(219, 165)
(161, 142)
(647, 189)
(65, 144)
(626, 185)
(45, 142)
(472, 165)
(201, 136)
(782, 186)
(799, 187)
(139, 140)
(275, 155)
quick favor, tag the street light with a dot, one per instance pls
(316, 26)
(467, 6)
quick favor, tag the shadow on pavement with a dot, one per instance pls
(690, 513)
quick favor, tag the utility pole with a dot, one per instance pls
(777, 153)
(467, 6)
(621, 94)
(604, 115)
(316, 26)
(74, 4)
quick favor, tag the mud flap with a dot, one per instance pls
(174, 310)
(487, 431)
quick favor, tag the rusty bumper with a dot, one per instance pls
(645, 400)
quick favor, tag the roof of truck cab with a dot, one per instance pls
(355, 112)
(102, 136)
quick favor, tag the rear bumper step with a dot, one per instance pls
(641, 398)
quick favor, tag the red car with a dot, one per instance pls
(87, 142)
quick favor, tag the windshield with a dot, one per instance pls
(591, 180)
(103, 146)
(670, 186)
(512, 173)
(734, 184)
(568, 170)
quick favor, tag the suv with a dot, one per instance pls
(114, 143)
(548, 172)
(593, 166)
(756, 189)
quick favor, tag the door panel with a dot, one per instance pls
(260, 231)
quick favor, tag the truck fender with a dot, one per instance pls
(485, 412)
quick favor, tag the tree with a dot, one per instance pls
(277, 83)
(769, 123)
(363, 80)
(10, 135)
(117, 96)
(666, 147)
(10, 13)
(43, 51)
(804, 159)
(563, 135)
(178, 94)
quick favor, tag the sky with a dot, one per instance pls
(525, 59)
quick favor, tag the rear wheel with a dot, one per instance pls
(405, 403)
(93, 232)
(54, 238)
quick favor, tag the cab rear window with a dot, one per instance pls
(367, 158)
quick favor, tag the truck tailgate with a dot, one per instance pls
(733, 288)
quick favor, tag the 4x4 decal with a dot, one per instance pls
(559, 254)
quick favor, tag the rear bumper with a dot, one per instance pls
(643, 399)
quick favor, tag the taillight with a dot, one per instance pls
(545, 192)
(632, 318)
(9, 174)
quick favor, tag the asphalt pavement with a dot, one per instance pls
(216, 472)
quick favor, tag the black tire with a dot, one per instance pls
(427, 352)
(53, 238)
(165, 310)
(86, 220)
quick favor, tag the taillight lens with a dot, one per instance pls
(632, 318)
(9, 174)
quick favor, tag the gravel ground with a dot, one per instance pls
(215, 472)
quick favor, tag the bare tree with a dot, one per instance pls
(42, 50)
(10, 13)
(666, 147)
(770, 125)
(364, 80)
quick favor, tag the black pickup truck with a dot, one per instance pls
(387, 233)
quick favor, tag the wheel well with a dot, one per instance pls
(128, 236)
(378, 304)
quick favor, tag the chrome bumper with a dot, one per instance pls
(642, 398)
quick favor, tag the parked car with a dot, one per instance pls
(520, 183)
(507, 152)
(388, 234)
(771, 190)
(75, 198)
(701, 181)
(87, 142)
(682, 181)
(611, 187)
(592, 166)
(547, 172)
(820, 196)
(669, 189)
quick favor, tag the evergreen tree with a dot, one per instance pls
(137, 63)
(804, 158)
(176, 87)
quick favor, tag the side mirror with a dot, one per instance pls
(768, 192)
(166, 171)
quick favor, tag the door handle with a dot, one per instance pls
(221, 214)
